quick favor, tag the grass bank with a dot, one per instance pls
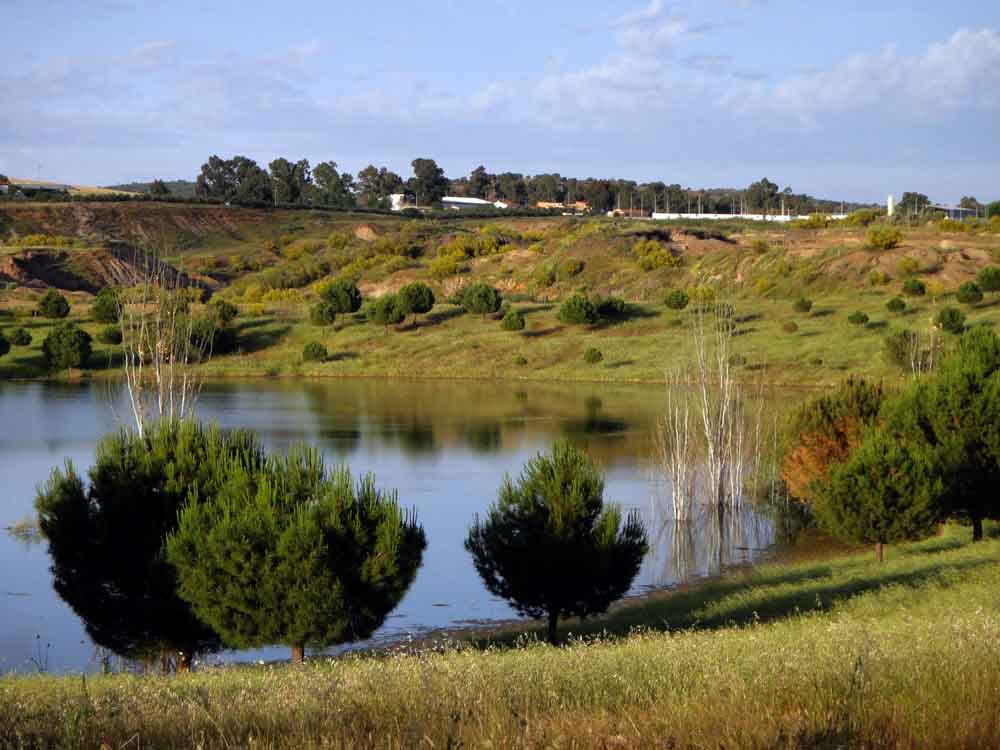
(820, 654)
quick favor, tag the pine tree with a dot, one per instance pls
(551, 547)
(296, 555)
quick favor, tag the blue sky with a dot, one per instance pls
(853, 100)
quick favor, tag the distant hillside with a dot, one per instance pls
(180, 188)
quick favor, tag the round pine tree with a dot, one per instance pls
(887, 492)
(551, 547)
(106, 536)
(415, 299)
(676, 299)
(989, 279)
(296, 555)
(105, 307)
(385, 311)
(339, 297)
(513, 321)
(969, 293)
(481, 299)
(578, 310)
(20, 337)
(66, 346)
(53, 305)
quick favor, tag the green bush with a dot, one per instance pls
(884, 237)
(677, 299)
(969, 293)
(225, 311)
(802, 305)
(314, 351)
(899, 347)
(550, 546)
(415, 299)
(481, 299)
(111, 335)
(513, 321)
(386, 311)
(857, 318)
(989, 279)
(950, 319)
(578, 310)
(339, 297)
(914, 288)
(652, 255)
(592, 356)
(569, 268)
(66, 346)
(895, 305)
(520, 361)
(760, 246)
(53, 305)
(20, 337)
(105, 307)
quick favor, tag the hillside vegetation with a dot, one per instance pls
(272, 264)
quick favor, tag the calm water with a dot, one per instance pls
(444, 446)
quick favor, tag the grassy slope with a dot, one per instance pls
(836, 653)
(829, 266)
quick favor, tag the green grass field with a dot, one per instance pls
(826, 653)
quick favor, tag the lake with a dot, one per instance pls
(444, 445)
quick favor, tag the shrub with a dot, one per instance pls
(513, 321)
(446, 265)
(899, 348)
(863, 217)
(322, 560)
(969, 293)
(951, 225)
(790, 327)
(989, 279)
(578, 310)
(415, 299)
(760, 246)
(857, 318)
(895, 305)
(592, 356)
(105, 307)
(569, 268)
(53, 305)
(110, 335)
(225, 311)
(550, 547)
(884, 237)
(824, 431)
(676, 299)
(950, 319)
(802, 305)
(914, 288)
(385, 311)
(878, 278)
(544, 276)
(106, 537)
(652, 255)
(907, 266)
(314, 351)
(886, 492)
(66, 346)
(613, 308)
(481, 299)
(737, 360)
(520, 361)
(20, 337)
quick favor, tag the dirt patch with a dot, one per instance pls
(365, 233)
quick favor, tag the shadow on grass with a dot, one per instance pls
(619, 363)
(541, 332)
(342, 356)
(437, 317)
(254, 336)
(877, 325)
(825, 312)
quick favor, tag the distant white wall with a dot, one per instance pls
(659, 216)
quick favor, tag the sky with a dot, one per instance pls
(854, 100)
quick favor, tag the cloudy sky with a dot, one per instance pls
(854, 99)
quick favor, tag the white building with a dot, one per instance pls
(458, 203)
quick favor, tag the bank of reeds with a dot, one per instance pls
(840, 653)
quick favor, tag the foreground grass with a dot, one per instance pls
(898, 656)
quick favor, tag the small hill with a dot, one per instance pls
(178, 188)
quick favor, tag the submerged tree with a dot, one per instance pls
(295, 555)
(551, 547)
(106, 536)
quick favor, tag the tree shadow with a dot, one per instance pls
(619, 363)
(253, 337)
(437, 317)
(342, 356)
(748, 318)
(825, 312)
(877, 325)
(541, 332)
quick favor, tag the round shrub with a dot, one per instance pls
(481, 299)
(592, 356)
(53, 305)
(816, 361)
(20, 337)
(760, 246)
(110, 335)
(857, 318)
(677, 299)
(105, 307)
(914, 288)
(578, 310)
(569, 268)
(314, 351)
(520, 361)
(67, 345)
(513, 321)
(951, 319)
(802, 305)
(895, 305)
(225, 311)
(790, 326)
(884, 237)
(969, 293)
(989, 279)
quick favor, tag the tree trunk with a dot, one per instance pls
(553, 621)
(183, 662)
(879, 552)
(298, 653)
(977, 529)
